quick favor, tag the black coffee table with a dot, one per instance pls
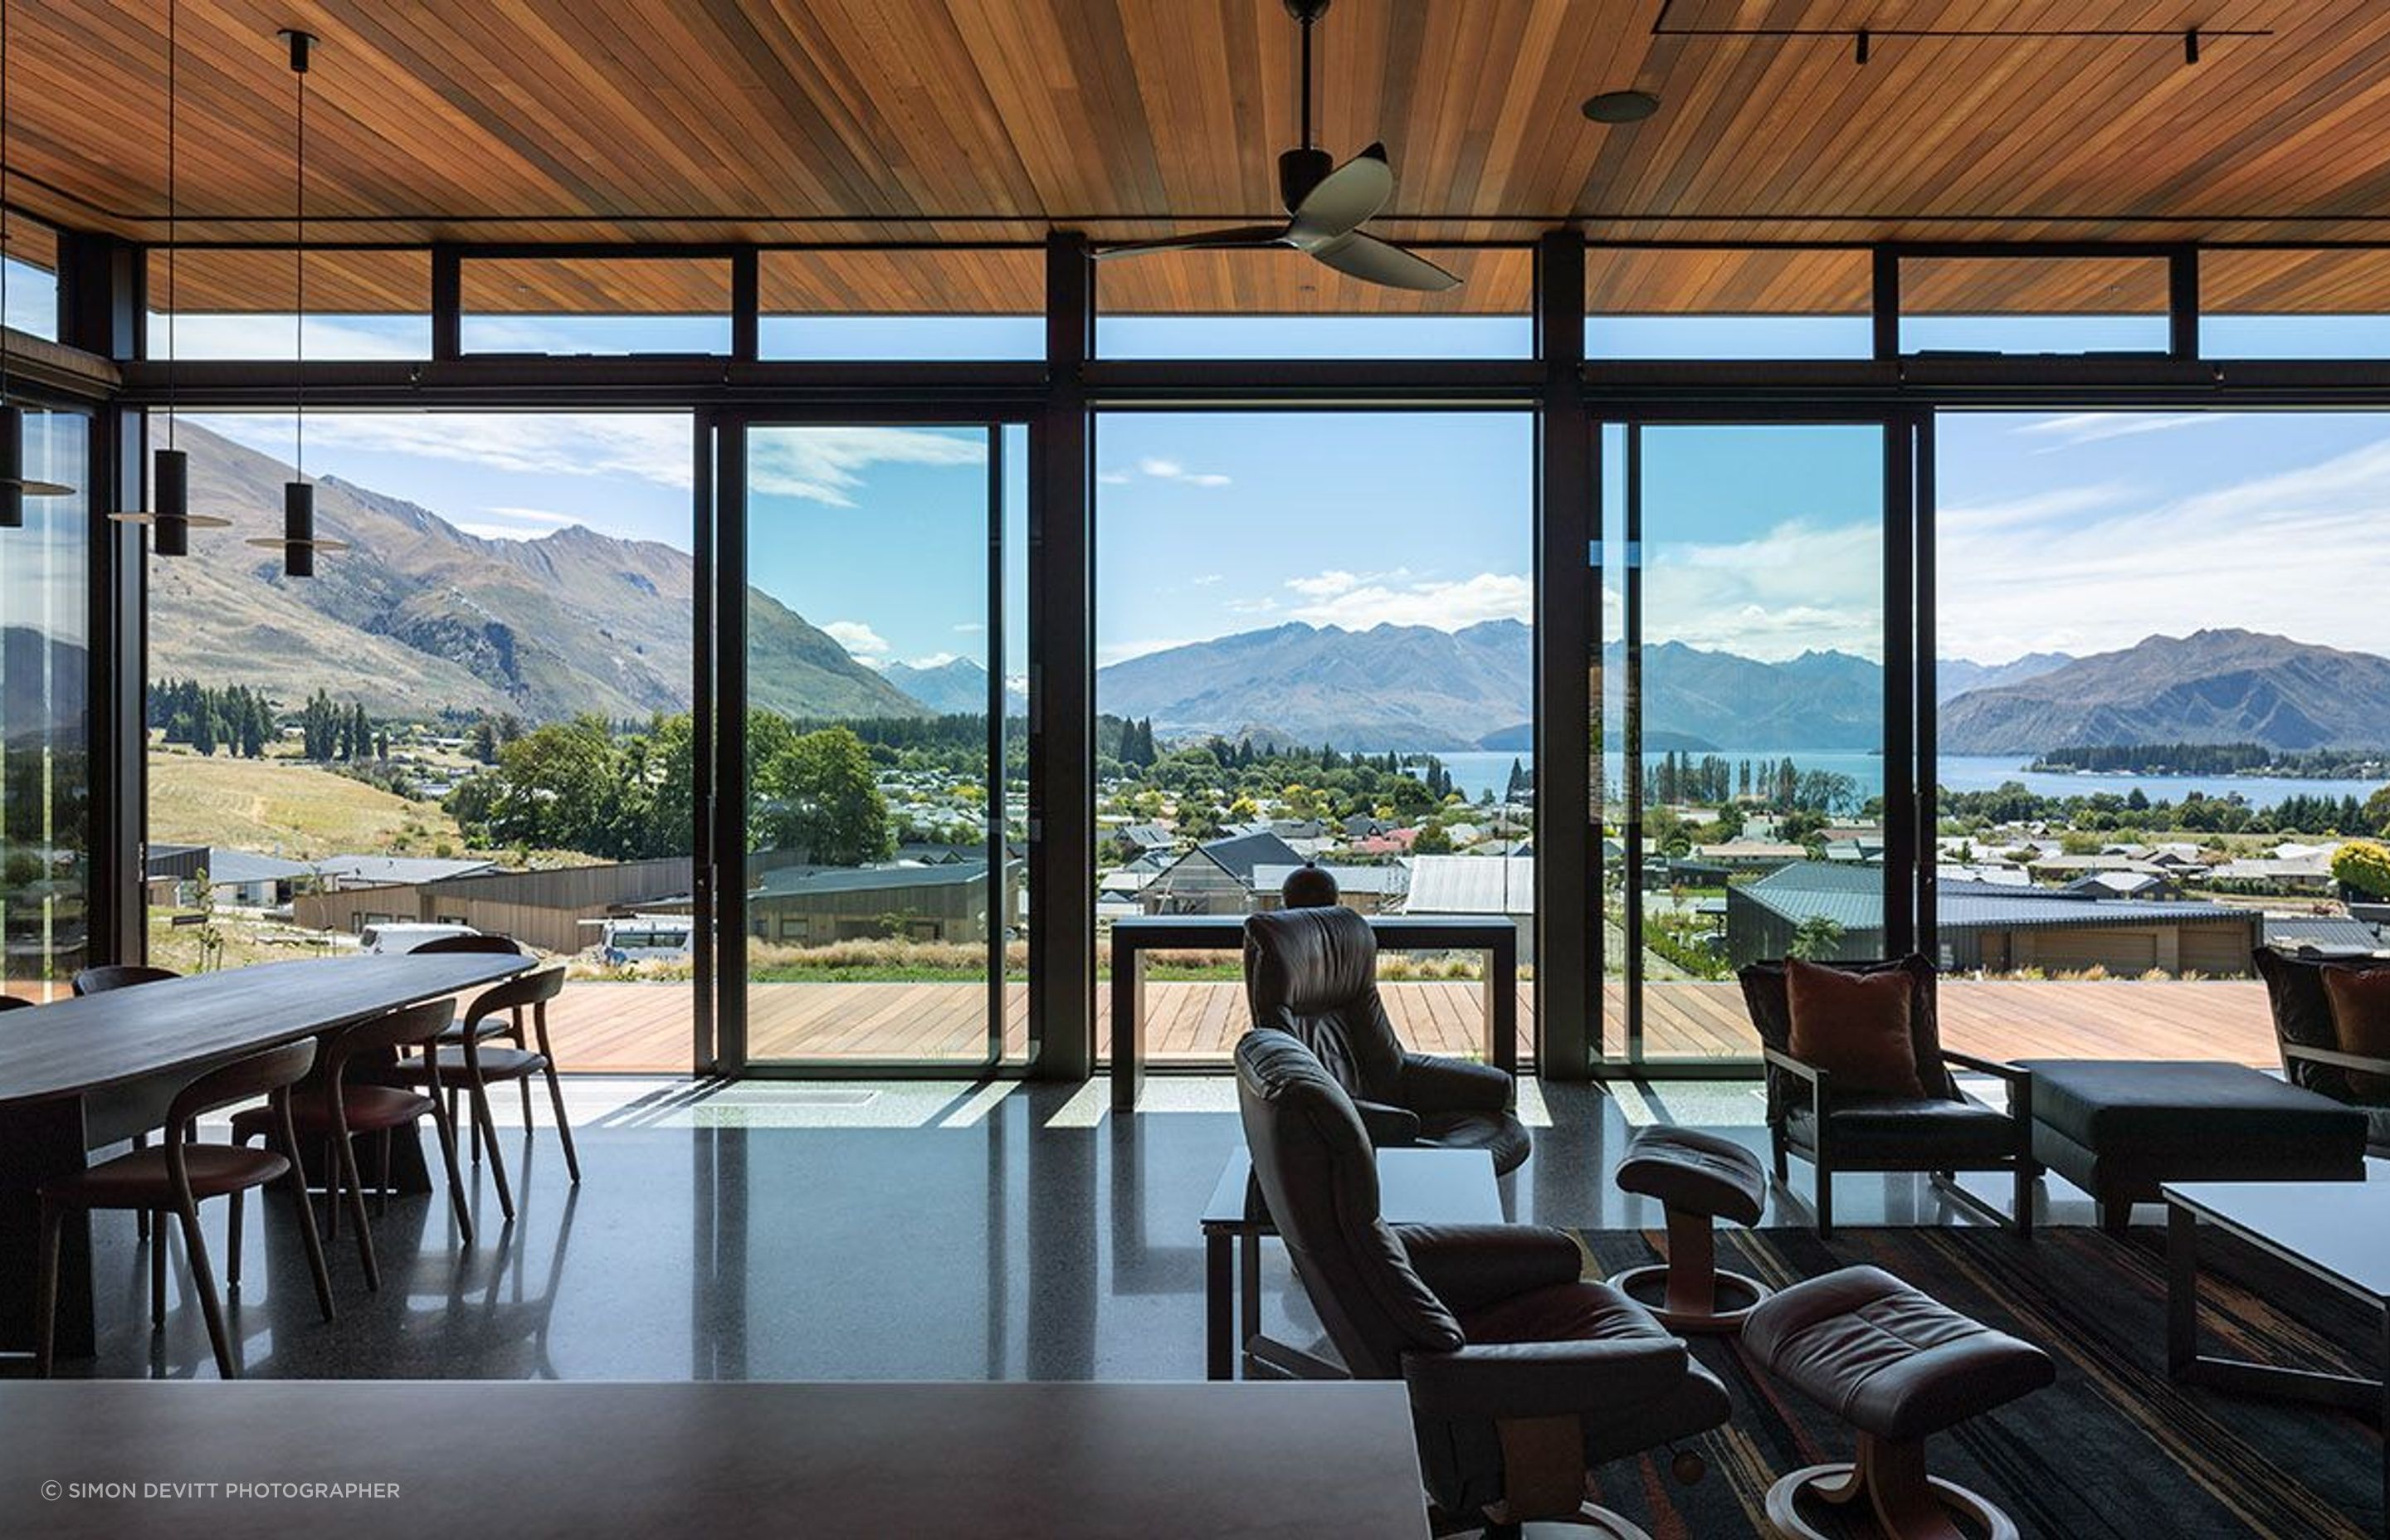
(2338, 1232)
(1415, 1186)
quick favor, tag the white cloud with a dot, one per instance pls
(535, 516)
(825, 464)
(2096, 427)
(1205, 580)
(1357, 604)
(651, 447)
(1799, 587)
(859, 639)
(969, 628)
(270, 338)
(2284, 551)
(934, 660)
(1162, 469)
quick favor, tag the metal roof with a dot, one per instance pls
(373, 871)
(1472, 885)
(1350, 879)
(791, 881)
(1853, 898)
(2323, 932)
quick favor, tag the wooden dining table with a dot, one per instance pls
(80, 1075)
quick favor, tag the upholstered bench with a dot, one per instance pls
(1697, 1178)
(1897, 1366)
(2118, 1128)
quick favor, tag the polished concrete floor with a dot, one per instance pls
(827, 1231)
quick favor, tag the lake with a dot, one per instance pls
(1475, 772)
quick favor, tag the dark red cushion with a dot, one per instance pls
(1853, 1027)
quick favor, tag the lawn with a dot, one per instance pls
(287, 808)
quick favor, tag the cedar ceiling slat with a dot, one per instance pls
(989, 119)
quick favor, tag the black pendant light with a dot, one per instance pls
(14, 487)
(298, 541)
(169, 513)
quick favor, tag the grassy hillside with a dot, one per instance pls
(286, 808)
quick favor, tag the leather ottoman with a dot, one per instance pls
(2118, 1128)
(1697, 1178)
(1897, 1366)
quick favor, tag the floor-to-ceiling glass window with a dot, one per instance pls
(885, 911)
(1744, 737)
(2164, 721)
(1313, 645)
(44, 717)
(476, 718)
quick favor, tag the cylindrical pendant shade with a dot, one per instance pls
(298, 529)
(170, 486)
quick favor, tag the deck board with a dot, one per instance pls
(605, 1026)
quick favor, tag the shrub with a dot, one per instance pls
(2364, 867)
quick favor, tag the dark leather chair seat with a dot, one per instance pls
(1702, 1173)
(1523, 1376)
(135, 1181)
(1313, 974)
(1888, 1360)
(1498, 1133)
(1929, 1131)
(497, 1063)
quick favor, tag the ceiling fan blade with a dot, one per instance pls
(1236, 238)
(1345, 200)
(1374, 261)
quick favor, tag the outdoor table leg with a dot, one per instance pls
(1128, 1024)
(41, 1141)
(1249, 1291)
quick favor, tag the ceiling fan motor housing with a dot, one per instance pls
(1299, 171)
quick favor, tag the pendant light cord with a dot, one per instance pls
(298, 46)
(174, 246)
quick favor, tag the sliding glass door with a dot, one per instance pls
(873, 709)
(1748, 749)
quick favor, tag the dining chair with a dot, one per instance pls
(12, 1002)
(470, 1063)
(174, 1178)
(99, 980)
(330, 1112)
(508, 1024)
(108, 976)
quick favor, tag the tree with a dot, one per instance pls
(484, 742)
(1433, 840)
(1817, 939)
(818, 794)
(2363, 866)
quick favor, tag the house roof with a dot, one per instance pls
(2321, 934)
(240, 866)
(1472, 885)
(1853, 898)
(1350, 879)
(1238, 854)
(794, 882)
(377, 871)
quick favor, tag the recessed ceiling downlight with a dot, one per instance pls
(1621, 106)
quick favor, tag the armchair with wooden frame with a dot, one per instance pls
(1944, 1132)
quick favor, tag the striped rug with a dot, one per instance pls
(2114, 1448)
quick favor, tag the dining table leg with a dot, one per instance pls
(39, 1142)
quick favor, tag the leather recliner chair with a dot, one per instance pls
(1523, 1376)
(1313, 973)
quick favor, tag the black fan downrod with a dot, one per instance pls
(1303, 168)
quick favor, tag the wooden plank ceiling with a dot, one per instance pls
(992, 121)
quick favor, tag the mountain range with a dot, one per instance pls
(956, 685)
(2211, 687)
(419, 615)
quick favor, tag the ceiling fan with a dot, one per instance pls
(1329, 204)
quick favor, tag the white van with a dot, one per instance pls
(405, 936)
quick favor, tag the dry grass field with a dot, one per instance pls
(286, 808)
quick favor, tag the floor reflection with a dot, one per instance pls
(789, 1231)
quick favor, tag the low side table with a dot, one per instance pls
(1415, 1186)
(2338, 1232)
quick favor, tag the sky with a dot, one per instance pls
(2068, 531)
